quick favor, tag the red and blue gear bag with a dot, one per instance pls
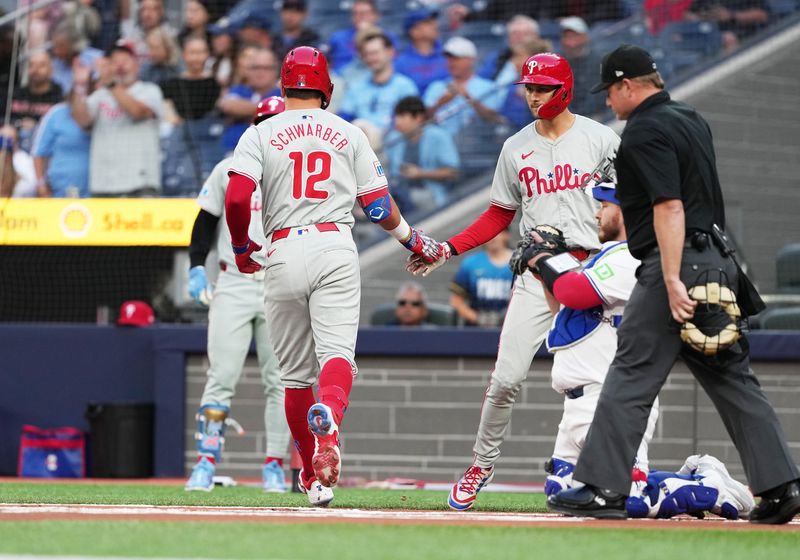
(53, 453)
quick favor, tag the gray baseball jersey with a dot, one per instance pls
(236, 316)
(551, 180)
(311, 166)
(212, 200)
(545, 178)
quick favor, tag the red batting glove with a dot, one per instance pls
(244, 262)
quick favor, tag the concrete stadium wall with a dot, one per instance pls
(416, 417)
(414, 410)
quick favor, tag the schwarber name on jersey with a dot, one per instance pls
(212, 200)
(311, 166)
(544, 178)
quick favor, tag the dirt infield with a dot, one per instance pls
(33, 512)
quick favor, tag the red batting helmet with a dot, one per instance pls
(269, 107)
(135, 313)
(306, 68)
(549, 69)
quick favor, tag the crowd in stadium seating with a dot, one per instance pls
(130, 105)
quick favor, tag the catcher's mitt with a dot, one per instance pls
(715, 325)
(541, 239)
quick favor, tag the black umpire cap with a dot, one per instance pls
(626, 61)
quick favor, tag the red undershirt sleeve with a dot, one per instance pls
(237, 207)
(494, 220)
(574, 290)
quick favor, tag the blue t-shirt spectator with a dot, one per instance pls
(486, 285)
(453, 115)
(436, 149)
(62, 72)
(515, 108)
(234, 131)
(424, 69)
(66, 145)
(341, 47)
(375, 102)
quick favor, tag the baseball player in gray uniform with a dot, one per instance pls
(236, 316)
(311, 167)
(545, 170)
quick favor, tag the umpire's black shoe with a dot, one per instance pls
(778, 506)
(589, 501)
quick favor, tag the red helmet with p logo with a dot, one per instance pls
(307, 68)
(549, 69)
(269, 107)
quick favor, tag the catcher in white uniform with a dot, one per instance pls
(311, 167)
(543, 169)
(583, 335)
(583, 341)
(235, 317)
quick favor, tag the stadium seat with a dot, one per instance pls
(780, 319)
(441, 314)
(487, 35)
(479, 146)
(698, 36)
(781, 8)
(787, 265)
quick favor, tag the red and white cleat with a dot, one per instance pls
(318, 495)
(327, 458)
(462, 496)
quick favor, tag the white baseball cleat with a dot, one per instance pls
(327, 460)
(318, 495)
(462, 496)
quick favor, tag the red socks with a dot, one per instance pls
(296, 403)
(335, 382)
(269, 459)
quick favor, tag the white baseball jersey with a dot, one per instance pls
(613, 277)
(544, 178)
(311, 166)
(212, 200)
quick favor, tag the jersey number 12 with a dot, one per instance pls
(318, 166)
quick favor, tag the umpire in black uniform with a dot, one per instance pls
(670, 197)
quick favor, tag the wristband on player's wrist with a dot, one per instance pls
(552, 268)
(240, 249)
(451, 247)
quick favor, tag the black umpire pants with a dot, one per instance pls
(648, 346)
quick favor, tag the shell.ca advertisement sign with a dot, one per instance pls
(165, 222)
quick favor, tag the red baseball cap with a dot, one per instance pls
(135, 313)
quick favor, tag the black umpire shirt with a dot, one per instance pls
(666, 152)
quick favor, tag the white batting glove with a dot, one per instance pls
(417, 266)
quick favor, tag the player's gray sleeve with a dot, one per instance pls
(212, 195)
(248, 157)
(505, 191)
(368, 168)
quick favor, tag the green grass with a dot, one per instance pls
(87, 493)
(373, 542)
(352, 541)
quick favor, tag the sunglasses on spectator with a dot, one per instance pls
(412, 303)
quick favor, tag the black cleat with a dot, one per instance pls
(781, 507)
(588, 501)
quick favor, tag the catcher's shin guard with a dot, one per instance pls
(210, 435)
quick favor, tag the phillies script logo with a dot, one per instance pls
(563, 177)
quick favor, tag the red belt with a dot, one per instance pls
(580, 254)
(284, 233)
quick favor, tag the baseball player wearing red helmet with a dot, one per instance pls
(235, 317)
(544, 170)
(312, 167)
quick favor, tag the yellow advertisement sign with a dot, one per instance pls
(118, 222)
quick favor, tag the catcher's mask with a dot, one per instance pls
(716, 322)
